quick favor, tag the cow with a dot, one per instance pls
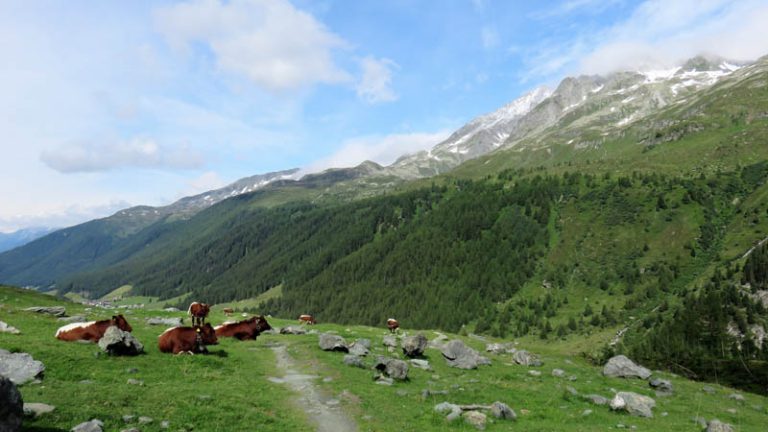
(244, 330)
(187, 339)
(228, 311)
(91, 331)
(392, 325)
(307, 319)
(198, 312)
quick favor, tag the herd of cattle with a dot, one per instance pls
(183, 339)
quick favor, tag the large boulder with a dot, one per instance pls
(622, 367)
(663, 387)
(502, 411)
(58, 311)
(460, 356)
(526, 358)
(414, 346)
(389, 341)
(393, 368)
(293, 330)
(170, 322)
(118, 342)
(717, 426)
(330, 342)
(360, 347)
(353, 360)
(19, 367)
(633, 403)
(11, 406)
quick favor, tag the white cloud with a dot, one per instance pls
(375, 86)
(104, 156)
(207, 181)
(574, 6)
(381, 149)
(270, 42)
(62, 216)
(490, 37)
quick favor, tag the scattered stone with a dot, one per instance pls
(133, 429)
(663, 387)
(421, 364)
(389, 341)
(622, 367)
(427, 393)
(384, 380)
(708, 390)
(401, 392)
(586, 412)
(128, 418)
(502, 411)
(118, 342)
(596, 399)
(170, 322)
(11, 406)
(534, 373)
(700, 421)
(475, 418)
(353, 360)
(58, 311)
(132, 381)
(132, 370)
(572, 391)
(145, 420)
(35, 409)
(363, 342)
(414, 346)
(572, 378)
(559, 373)
(393, 368)
(86, 382)
(360, 349)
(736, 397)
(329, 342)
(731, 411)
(19, 367)
(717, 426)
(633, 403)
(171, 309)
(5, 328)
(94, 425)
(526, 358)
(501, 348)
(204, 397)
(165, 424)
(73, 319)
(458, 355)
(293, 330)
(447, 407)
(438, 342)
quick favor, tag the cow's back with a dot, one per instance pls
(175, 340)
(90, 331)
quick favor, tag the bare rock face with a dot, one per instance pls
(459, 355)
(414, 346)
(118, 342)
(20, 368)
(633, 403)
(330, 342)
(622, 367)
(11, 406)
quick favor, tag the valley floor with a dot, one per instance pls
(286, 383)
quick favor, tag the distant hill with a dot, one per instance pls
(21, 237)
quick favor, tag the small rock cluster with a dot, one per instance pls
(118, 342)
(474, 414)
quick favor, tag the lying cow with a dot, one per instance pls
(307, 319)
(393, 325)
(187, 339)
(198, 312)
(91, 331)
(244, 330)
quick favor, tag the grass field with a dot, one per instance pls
(230, 390)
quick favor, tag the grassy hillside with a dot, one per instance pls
(217, 392)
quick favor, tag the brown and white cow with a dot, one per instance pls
(307, 319)
(187, 339)
(244, 330)
(228, 311)
(393, 325)
(198, 312)
(91, 331)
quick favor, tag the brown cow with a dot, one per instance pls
(228, 311)
(91, 331)
(187, 339)
(393, 325)
(198, 312)
(307, 319)
(244, 330)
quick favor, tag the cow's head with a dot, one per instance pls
(207, 334)
(121, 323)
(261, 323)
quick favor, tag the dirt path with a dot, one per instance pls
(325, 412)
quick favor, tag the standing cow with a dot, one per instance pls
(392, 325)
(307, 319)
(91, 331)
(244, 330)
(187, 339)
(198, 312)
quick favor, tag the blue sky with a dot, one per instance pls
(109, 104)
